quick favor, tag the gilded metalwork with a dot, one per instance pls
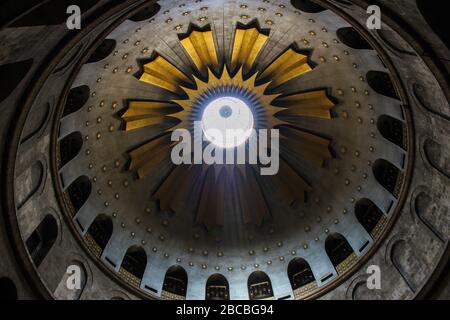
(346, 264)
(304, 291)
(162, 73)
(129, 277)
(201, 48)
(376, 232)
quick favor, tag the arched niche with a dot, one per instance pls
(146, 13)
(133, 265)
(78, 192)
(438, 156)
(42, 239)
(259, 286)
(301, 277)
(98, 234)
(370, 217)
(340, 252)
(175, 284)
(388, 175)
(217, 288)
(393, 130)
(381, 83)
(69, 147)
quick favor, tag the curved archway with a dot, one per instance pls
(370, 217)
(78, 192)
(217, 288)
(393, 130)
(175, 284)
(69, 147)
(388, 175)
(42, 239)
(301, 277)
(133, 265)
(381, 83)
(340, 252)
(99, 233)
(259, 286)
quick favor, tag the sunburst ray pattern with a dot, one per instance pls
(216, 183)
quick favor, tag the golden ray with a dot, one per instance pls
(164, 74)
(309, 104)
(200, 47)
(287, 66)
(246, 47)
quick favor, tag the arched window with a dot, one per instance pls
(8, 290)
(340, 252)
(69, 147)
(98, 234)
(393, 130)
(103, 50)
(175, 284)
(370, 217)
(388, 175)
(42, 239)
(133, 265)
(307, 6)
(351, 38)
(259, 286)
(76, 99)
(381, 83)
(79, 192)
(217, 288)
(301, 277)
